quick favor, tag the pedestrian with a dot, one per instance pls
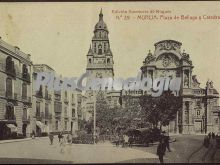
(126, 140)
(62, 144)
(206, 141)
(213, 135)
(33, 134)
(209, 135)
(69, 138)
(60, 136)
(166, 140)
(51, 138)
(130, 141)
(117, 140)
(161, 150)
(69, 142)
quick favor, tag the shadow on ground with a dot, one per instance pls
(31, 161)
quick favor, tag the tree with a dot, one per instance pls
(104, 114)
(160, 110)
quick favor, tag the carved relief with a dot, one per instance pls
(168, 45)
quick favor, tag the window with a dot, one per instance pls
(73, 112)
(65, 125)
(46, 92)
(90, 61)
(24, 90)
(40, 92)
(9, 115)
(56, 125)
(38, 109)
(25, 113)
(9, 87)
(46, 110)
(198, 112)
(100, 49)
(10, 66)
(24, 71)
(65, 112)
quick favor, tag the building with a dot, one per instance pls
(100, 64)
(99, 58)
(55, 111)
(199, 113)
(15, 91)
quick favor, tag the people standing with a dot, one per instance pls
(213, 135)
(161, 150)
(209, 135)
(206, 141)
(60, 136)
(62, 144)
(51, 138)
(166, 140)
(117, 140)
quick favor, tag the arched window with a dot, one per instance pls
(108, 60)
(24, 90)
(9, 87)
(9, 114)
(8, 63)
(100, 49)
(10, 66)
(24, 113)
(90, 61)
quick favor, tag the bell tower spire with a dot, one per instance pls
(100, 59)
(100, 15)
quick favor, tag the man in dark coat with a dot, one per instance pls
(161, 150)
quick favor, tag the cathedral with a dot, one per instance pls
(200, 110)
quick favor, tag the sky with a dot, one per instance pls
(59, 34)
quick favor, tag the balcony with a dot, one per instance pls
(48, 116)
(26, 99)
(11, 72)
(10, 117)
(26, 119)
(57, 97)
(26, 77)
(12, 96)
(40, 116)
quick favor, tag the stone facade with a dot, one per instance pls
(199, 113)
(55, 111)
(100, 65)
(15, 91)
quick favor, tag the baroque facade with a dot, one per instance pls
(200, 110)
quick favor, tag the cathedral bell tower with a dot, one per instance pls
(99, 57)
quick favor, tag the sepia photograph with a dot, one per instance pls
(109, 82)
